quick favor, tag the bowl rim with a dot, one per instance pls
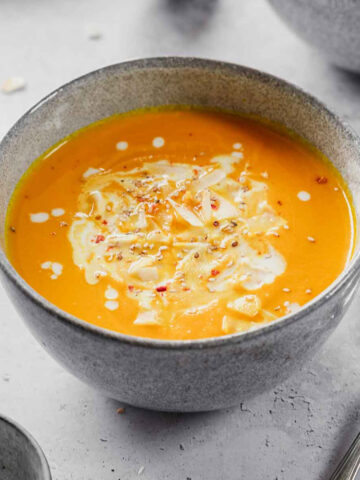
(44, 465)
(176, 62)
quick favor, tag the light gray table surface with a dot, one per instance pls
(299, 430)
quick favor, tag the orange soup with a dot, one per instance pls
(180, 224)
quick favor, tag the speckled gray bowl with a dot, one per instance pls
(21, 458)
(332, 26)
(178, 375)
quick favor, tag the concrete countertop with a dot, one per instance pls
(299, 430)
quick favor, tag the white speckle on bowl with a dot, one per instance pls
(111, 305)
(57, 268)
(57, 212)
(158, 142)
(122, 145)
(40, 217)
(111, 293)
(304, 196)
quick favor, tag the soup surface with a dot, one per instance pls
(180, 224)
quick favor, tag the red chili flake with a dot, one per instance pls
(104, 222)
(99, 238)
(235, 244)
(216, 223)
(196, 255)
(214, 206)
(321, 180)
(162, 288)
(279, 202)
(131, 287)
(153, 208)
(214, 272)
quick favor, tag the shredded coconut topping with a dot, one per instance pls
(164, 230)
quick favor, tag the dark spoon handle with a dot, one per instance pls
(350, 464)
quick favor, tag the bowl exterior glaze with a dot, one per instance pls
(178, 375)
(20, 455)
(332, 26)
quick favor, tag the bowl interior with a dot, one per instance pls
(20, 456)
(171, 81)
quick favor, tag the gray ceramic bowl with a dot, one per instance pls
(332, 26)
(178, 375)
(21, 458)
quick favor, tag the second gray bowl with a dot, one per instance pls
(21, 458)
(332, 26)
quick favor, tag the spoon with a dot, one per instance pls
(350, 464)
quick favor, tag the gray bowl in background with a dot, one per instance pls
(21, 458)
(332, 26)
(190, 375)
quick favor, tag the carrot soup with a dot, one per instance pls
(180, 223)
